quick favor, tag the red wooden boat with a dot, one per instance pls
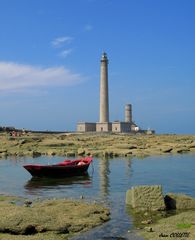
(62, 169)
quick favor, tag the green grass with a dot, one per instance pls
(184, 225)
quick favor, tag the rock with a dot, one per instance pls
(3, 150)
(148, 221)
(128, 154)
(149, 229)
(123, 146)
(62, 137)
(95, 153)
(116, 154)
(64, 229)
(81, 151)
(132, 147)
(107, 154)
(4, 154)
(167, 150)
(22, 141)
(192, 145)
(35, 154)
(76, 228)
(29, 230)
(179, 201)
(50, 216)
(183, 150)
(51, 153)
(70, 154)
(89, 154)
(27, 203)
(19, 154)
(146, 198)
(104, 218)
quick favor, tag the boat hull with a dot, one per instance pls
(69, 168)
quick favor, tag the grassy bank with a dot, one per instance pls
(100, 145)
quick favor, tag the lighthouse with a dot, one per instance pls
(104, 125)
(104, 100)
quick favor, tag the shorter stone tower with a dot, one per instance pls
(128, 113)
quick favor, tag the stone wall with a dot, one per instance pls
(103, 127)
(121, 127)
(86, 127)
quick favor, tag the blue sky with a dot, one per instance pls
(50, 61)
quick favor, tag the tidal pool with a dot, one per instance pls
(107, 182)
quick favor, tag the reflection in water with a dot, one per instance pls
(104, 177)
(128, 168)
(54, 183)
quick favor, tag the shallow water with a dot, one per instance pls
(107, 183)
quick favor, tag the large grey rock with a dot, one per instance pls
(146, 197)
(179, 201)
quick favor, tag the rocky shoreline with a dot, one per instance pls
(157, 216)
(97, 145)
(47, 219)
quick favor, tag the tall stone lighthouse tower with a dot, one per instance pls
(104, 105)
(104, 125)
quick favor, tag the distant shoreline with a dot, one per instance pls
(73, 144)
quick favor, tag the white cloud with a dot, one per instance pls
(17, 77)
(59, 42)
(65, 53)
